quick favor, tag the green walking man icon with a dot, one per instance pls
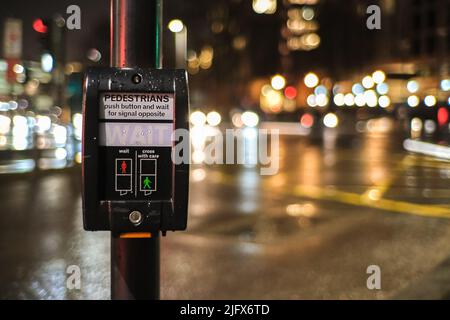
(147, 183)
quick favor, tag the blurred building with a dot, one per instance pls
(412, 31)
(422, 33)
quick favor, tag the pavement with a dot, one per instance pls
(311, 231)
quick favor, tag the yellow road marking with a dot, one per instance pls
(365, 200)
(320, 193)
(382, 204)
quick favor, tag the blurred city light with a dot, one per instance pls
(60, 134)
(378, 76)
(290, 92)
(336, 89)
(360, 101)
(47, 62)
(20, 128)
(265, 6)
(384, 101)
(206, 57)
(266, 89)
(310, 41)
(77, 120)
(13, 105)
(412, 86)
(374, 194)
(429, 126)
(357, 89)
(368, 82)
(250, 119)
(5, 124)
(31, 88)
(430, 101)
(426, 148)
(198, 118)
(20, 121)
(272, 101)
(445, 84)
(193, 62)
(339, 99)
(321, 100)
(43, 123)
(4, 106)
(94, 55)
(78, 157)
(278, 82)
(39, 26)
(370, 98)
(236, 119)
(19, 142)
(311, 100)
(349, 99)
(301, 28)
(239, 43)
(330, 120)
(18, 68)
(297, 24)
(175, 25)
(307, 120)
(442, 116)
(217, 27)
(60, 153)
(213, 118)
(308, 13)
(380, 125)
(301, 210)
(3, 140)
(320, 90)
(413, 101)
(382, 88)
(198, 175)
(311, 80)
(416, 124)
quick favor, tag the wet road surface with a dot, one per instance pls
(336, 207)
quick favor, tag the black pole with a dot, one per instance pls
(135, 41)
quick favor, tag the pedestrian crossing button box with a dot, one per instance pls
(128, 141)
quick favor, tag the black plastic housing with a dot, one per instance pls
(102, 213)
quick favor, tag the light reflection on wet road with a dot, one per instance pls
(308, 232)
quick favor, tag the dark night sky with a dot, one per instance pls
(94, 15)
(337, 22)
(95, 22)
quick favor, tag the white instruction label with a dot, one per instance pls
(137, 106)
(127, 134)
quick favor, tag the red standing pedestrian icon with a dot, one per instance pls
(124, 176)
(123, 166)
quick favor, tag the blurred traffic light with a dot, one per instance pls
(40, 26)
(51, 32)
(442, 116)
